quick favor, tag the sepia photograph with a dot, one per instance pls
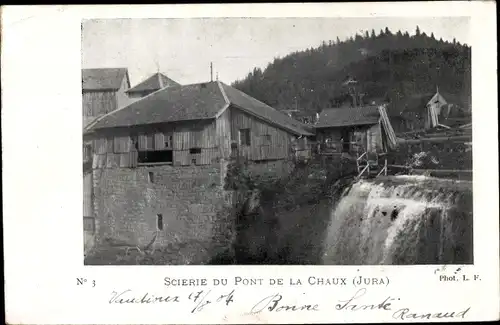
(277, 141)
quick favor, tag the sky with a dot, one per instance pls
(183, 48)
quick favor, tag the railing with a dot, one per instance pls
(384, 170)
(359, 158)
(367, 167)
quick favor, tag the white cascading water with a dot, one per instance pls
(401, 220)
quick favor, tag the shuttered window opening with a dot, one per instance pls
(168, 140)
(87, 152)
(159, 221)
(155, 148)
(244, 137)
(155, 156)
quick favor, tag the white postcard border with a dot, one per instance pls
(42, 187)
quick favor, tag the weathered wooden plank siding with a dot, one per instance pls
(374, 138)
(195, 144)
(267, 142)
(97, 103)
(223, 133)
(201, 135)
(87, 195)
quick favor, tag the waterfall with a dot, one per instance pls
(401, 220)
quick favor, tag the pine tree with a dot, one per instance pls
(387, 31)
(432, 36)
(417, 31)
(367, 35)
(338, 40)
(373, 34)
(315, 78)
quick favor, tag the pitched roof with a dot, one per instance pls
(171, 104)
(194, 102)
(337, 117)
(153, 83)
(255, 107)
(87, 120)
(104, 78)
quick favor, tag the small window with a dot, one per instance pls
(168, 141)
(245, 137)
(151, 177)
(159, 221)
(193, 161)
(87, 152)
(194, 151)
(89, 224)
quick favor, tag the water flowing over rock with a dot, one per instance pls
(401, 220)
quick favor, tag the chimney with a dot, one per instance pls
(160, 80)
(211, 72)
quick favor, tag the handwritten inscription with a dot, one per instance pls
(205, 296)
(406, 314)
(353, 305)
(274, 303)
(128, 297)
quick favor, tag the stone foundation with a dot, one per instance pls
(129, 201)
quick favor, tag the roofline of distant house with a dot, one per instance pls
(344, 125)
(133, 90)
(108, 89)
(89, 127)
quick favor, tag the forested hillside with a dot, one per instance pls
(386, 66)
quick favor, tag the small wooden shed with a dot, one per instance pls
(355, 130)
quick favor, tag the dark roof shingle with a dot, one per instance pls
(171, 104)
(337, 117)
(194, 102)
(104, 78)
(153, 83)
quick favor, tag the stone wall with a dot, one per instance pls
(270, 170)
(189, 199)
